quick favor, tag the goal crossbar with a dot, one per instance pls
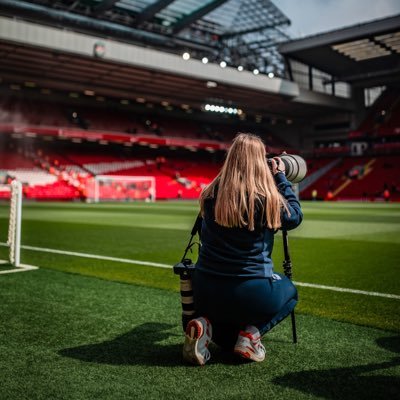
(148, 193)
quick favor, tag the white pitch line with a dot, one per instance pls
(21, 268)
(346, 290)
(159, 265)
(94, 256)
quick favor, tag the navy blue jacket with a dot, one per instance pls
(238, 251)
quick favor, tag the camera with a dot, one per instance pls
(295, 166)
(185, 270)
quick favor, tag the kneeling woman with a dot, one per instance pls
(238, 296)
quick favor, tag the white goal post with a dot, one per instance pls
(14, 226)
(121, 188)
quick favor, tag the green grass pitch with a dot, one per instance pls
(84, 328)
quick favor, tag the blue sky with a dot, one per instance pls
(315, 16)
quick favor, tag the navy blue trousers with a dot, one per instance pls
(231, 303)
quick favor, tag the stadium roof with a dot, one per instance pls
(64, 60)
(366, 54)
(241, 32)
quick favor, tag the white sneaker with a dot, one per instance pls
(197, 338)
(248, 344)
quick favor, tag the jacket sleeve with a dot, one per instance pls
(296, 216)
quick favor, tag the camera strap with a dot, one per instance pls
(195, 230)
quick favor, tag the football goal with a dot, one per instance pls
(121, 188)
(14, 225)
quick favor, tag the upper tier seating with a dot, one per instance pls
(391, 125)
(12, 160)
(383, 118)
(381, 173)
(41, 113)
(33, 112)
(370, 176)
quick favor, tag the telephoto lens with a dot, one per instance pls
(295, 167)
(185, 269)
(186, 299)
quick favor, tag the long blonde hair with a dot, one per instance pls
(243, 180)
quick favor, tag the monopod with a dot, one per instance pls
(287, 269)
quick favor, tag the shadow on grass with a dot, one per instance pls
(140, 346)
(144, 345)
(352, 382)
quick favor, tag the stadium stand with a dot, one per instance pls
(76, 113)
(49, 175)
(378, 174)
(382, 118)
(41, 116)
(356, 178)
(46, 174)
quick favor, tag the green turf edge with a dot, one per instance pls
(380, 313)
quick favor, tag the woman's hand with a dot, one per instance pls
(277, 165)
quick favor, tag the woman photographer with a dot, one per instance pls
(238, 296)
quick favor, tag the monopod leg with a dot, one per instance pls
(294, 327)
(287, 268)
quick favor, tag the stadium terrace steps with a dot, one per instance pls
(317, 173)
(175, 178)
(33, 112)
(380, 174)
(12, 160)
(365, 170)
(108, 167)
(45, 114)
(32, 177)
(355, 178)
(57, 191)
(40, 180)
(39, 184)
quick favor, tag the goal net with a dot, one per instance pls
(14, 192)
(121, 188)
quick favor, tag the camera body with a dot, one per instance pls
(185, 267)
(295, 166)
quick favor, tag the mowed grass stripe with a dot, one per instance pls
(158, 265)
(349, 224)
(333, 262)
(377, 312)
(365, 259)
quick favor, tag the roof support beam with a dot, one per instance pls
(366, 76)
(104, 6)
(252, 30)
(195, 15)
(151, 10)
